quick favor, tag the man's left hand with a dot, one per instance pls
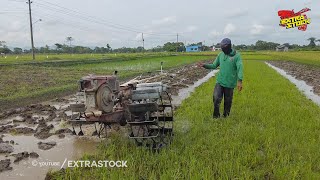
(239, 85)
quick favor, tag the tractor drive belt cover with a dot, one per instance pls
(143, 107)
(145, 94)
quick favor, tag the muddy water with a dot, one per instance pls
(70, 147)
(301, 85)
(185, 92)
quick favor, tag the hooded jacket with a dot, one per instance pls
(231, 68)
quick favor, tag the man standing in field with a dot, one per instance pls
(230, 76)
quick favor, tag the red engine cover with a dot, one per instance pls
(93, 82)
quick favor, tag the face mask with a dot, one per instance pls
(227, 49)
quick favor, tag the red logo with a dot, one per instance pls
(290, 19)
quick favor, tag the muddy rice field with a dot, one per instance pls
(309, 74)
(41, 132)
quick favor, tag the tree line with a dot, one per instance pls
(167, 47)
(264, 45)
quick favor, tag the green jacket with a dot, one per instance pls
(231, 69)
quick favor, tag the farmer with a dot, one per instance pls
(230, 76)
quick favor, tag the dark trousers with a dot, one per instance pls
(218, 94)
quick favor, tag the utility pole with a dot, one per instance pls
(142, 42)
(31, 30)
(177, 41)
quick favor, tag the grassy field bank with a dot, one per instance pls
(27, 58)
(303, 57)
(273, 133)
(306, 57)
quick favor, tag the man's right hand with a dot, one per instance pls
(200, 64)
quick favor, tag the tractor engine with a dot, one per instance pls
(100, 92)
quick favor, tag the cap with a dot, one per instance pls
(225, 41)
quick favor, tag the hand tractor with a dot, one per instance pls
(145, 108)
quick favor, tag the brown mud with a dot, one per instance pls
(307, 73)
(179, 78)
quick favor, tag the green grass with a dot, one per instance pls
(306, 57)
(25, 84)
(272, 133)
(27, 58)
(303, 57)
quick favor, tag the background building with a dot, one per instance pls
(282, 47)
(194, 48)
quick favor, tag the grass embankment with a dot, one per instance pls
(27, 58)
(25, 84)
(273, 133)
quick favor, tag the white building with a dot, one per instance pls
(282, 47)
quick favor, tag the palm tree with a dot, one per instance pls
(58, 47)
(69, 39)
(312, 42)
(2, 43)
(108, 47)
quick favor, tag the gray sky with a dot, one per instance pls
(120, 22)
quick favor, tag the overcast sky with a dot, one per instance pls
(120, 22)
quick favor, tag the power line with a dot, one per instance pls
(79, 27)
(77, 12)
(91, 19)
(17, 0)
(73, 23)
(135, 29)
(9, 11)
(86, 18)
(98, 20)
(57, 19)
